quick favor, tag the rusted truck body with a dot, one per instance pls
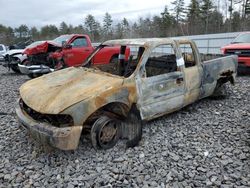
(108, 103)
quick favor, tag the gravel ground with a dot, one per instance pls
(205, 144)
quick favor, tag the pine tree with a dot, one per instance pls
(179, 10)
(167, 23)
(193, 17)
(93, 27)
(206, 10)
(64, 29)
(107, 26)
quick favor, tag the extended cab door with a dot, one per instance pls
(79, 51)
(192, 70)
(162, 89)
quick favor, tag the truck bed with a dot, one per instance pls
(215, 68)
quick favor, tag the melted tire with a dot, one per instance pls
(132, 129)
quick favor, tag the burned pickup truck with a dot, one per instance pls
(105, 104)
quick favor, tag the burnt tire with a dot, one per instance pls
(105, 132)
(15, 68)
(131, 128)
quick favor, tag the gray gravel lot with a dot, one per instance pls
(205, 144)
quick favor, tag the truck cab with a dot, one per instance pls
(75, 50)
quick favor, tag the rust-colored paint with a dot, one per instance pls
(57, 91)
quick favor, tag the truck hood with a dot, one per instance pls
(237, 46)
(53, 93)
(42, 48)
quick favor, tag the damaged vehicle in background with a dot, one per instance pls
(240, 46)
(106, 103)
(16, 56)
(3, 50)
(64, 51)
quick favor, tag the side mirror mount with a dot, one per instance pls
(67, 46)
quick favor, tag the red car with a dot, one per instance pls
(65, 51)
(240, 46)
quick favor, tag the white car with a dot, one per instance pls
(3, 50)
(14, 57)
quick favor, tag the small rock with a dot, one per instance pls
(174, 156)
(243, 156)
(142, 155)
(213, 178)
(119, 159)
(201, 169)
(7, 176)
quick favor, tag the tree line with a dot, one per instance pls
(198, 17)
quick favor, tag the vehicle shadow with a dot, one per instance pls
(11, 73)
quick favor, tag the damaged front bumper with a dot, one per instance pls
(35, 69)
(65, 138)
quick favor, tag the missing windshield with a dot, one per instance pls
(122, 63)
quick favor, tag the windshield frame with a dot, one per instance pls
(62, 38)
(88, 63)
(34, 44)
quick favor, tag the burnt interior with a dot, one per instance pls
(161, 65)
(124, 65)
(57, 120)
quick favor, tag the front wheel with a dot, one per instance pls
(105, 132)
(15, 68)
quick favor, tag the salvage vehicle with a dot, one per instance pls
(106, 103)
(240, 46)
(64, 51)
(2, 51)
(13, 57)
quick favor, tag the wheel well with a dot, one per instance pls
(225, 77)
(113, 56)
(116, 109)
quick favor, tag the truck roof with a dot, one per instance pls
(78, 35)
(144, 41)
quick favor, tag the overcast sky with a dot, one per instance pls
(41, 12)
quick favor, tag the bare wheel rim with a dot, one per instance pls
(105, 132)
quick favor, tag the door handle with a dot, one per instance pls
(86, 50)
(179, 80)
